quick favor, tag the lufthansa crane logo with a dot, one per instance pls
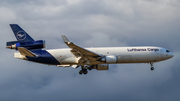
(21, 35)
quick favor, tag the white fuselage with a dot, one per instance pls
(123, 54)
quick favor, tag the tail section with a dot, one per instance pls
(20, 34)
(24, 40)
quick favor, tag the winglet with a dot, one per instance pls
(25, 52)
(65, 38)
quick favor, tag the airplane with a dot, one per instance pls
(75, 56)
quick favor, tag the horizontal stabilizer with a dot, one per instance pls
(25, 52)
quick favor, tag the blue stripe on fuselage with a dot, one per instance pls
(43, 57)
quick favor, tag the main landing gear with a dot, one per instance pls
(84, 69)
(152, 68)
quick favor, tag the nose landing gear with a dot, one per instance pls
(152, 68)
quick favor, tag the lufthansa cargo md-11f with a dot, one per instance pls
(86, 58)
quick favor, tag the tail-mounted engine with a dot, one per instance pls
(109, 59)
(39, 44)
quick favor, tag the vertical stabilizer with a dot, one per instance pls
(20, 34)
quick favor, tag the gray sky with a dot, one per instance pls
(91, 23)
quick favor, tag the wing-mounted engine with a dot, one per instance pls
(109, 59)
(39, 44)
(101, 67)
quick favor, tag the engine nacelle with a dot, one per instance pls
(101, 67)
(39, 44)
(109, 59)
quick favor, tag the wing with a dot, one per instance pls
(84, 54)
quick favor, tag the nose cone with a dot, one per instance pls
(170, 55)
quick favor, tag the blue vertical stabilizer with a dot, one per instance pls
(20, 34)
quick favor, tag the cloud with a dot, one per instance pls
(103, 40)
(91, 23)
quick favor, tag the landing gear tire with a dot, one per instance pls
(80, 72)
(90, 68)
(85, 72)
(152, 68)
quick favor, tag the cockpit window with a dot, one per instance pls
(167, 51)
